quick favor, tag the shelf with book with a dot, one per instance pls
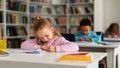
(1, 4)
(14, 37)
(16, 5)
(2, 25)
(79, 9)
(14, 42)
(15, 20)
(1, 17)
(65, 15)
(56, 13)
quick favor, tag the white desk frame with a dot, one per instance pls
(47, 60)
(112, 51)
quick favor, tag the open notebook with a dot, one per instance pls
(38, 51)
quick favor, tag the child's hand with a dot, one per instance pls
(115, 36)
(81, 39)
(109, 36)
(88, 40)
(52, 49)
(49, 48)
(44, 47)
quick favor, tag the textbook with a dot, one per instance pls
(77, 57)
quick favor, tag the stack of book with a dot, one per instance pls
(79, 57)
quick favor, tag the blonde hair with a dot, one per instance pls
(40, 23)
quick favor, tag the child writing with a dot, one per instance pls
(85, 33)
(112, 31)
(48, 39)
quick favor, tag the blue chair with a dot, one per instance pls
(70, 37)
(100, 36)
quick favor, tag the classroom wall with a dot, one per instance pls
(106, 12)
(98, 15)
(112, 12)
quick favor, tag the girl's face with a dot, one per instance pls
(85, 29)
(45, 34)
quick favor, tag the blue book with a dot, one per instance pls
(16, 7)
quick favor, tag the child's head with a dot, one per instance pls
(44, 29)
(85, 25)
(113, 29)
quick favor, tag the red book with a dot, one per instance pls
(80, 54)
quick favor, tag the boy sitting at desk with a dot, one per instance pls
(86, 33)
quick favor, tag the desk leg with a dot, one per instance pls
(111, 58)
(118, 60)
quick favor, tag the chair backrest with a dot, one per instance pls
(70, 37)
(100, 36)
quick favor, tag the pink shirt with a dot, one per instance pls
(61, 44)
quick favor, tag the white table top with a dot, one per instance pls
(91, 44)
(112, 51)
(47, 58)
(112, 39)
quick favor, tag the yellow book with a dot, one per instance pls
(81, 56)
(3, 44)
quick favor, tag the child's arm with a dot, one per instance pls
(66, 46)
(78, 37)
(81, 39)
(30, 45)
(94, 37)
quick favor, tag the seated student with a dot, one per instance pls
(112, 31)
(85, 33)
(48, 39)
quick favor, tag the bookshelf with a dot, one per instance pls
(53, 10)
(64, 14)
(14, 21)
(1, 20)
(79, 9)
(17, 17)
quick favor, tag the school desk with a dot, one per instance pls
(46, 60)
(112, 39)
(113, 52)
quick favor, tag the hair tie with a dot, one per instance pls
(38, 17)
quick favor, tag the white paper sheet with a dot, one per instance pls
(25, 51)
